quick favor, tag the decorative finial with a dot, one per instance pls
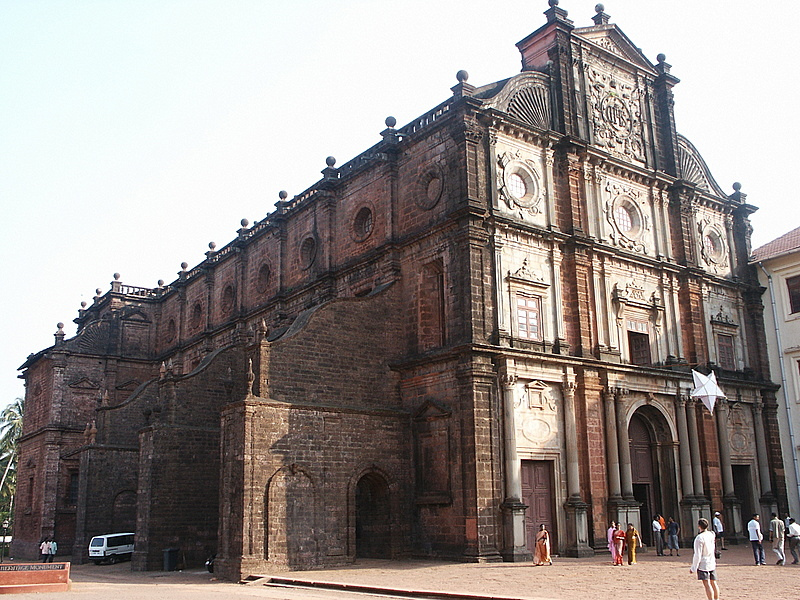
(330, 161)
(251, 377)
(60, 325)
(184, 265)
(553, 3)
(116, 276)
(99, 292)
(598, 8)
(661, 58)
(160, 283)
(390, 122)
(462, 76)
(601, 18)
(244, 222)
(211, 246)
(737, 186)
(283, 195)
(83, 304)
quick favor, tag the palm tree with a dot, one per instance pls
(10, 431)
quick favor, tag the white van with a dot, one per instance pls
(112, 547)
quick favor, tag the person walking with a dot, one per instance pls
(619, 545)
(776, 536)
(793, 533)
(719, 532)
(633, 541)
(52, 548)
(610, 537)
(754, 532)
(541, 553)
(703, 561)
(673, 529)
(658, 541)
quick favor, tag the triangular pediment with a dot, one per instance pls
(430, 409)
(83, 383)
(129, 385)
(136, 316)
(611, 39)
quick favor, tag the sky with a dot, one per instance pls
(135, 132)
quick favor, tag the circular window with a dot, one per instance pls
(623, 218)
(521, 184)
(362, 224)
(430, 187)
(627, 218)
(516, 186)
(308, 252)
(197, 316)
(262, 279)
(228, 299)
(172, 330)
(712, 245)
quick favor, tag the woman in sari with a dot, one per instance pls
(610, 538)
(541, 553)
(632, 540)
(619, 545)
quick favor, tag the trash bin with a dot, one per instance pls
(171, 558)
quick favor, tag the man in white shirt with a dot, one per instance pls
(754, 531)
(719, 532)
(793, 533)
(658, 541)
(703, 562)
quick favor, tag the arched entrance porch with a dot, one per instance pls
(372, 517)
(653, 470)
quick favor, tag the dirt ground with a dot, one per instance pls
(666, 578)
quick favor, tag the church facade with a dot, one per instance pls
(485, 322)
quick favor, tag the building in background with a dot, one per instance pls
(779, 273)
(484, 322)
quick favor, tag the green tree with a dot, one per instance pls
(10, 432)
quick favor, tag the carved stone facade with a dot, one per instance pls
(484, 322)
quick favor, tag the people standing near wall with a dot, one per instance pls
(719, 532)
(658, 541)
(703, 561)
(44, 549)
(673, 529)
(793, 533)
(52, 550)
(776, 536)
(663, 524)
(633, 541)
(754, 532)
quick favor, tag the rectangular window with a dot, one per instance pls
(793, 285)
(725, 353)
(639, 346)
(529, 323)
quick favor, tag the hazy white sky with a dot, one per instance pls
(134, 132)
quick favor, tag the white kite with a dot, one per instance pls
(706, 388)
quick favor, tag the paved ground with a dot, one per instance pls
(654, 578)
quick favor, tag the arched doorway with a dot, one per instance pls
(652, 467)
(373, 527)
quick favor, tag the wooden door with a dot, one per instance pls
(538, 494)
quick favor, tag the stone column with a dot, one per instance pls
(694, 446)
(626, 477)
(577, 510)
(612, 449)
(685, 454)
(767, 500)
(515, 548)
